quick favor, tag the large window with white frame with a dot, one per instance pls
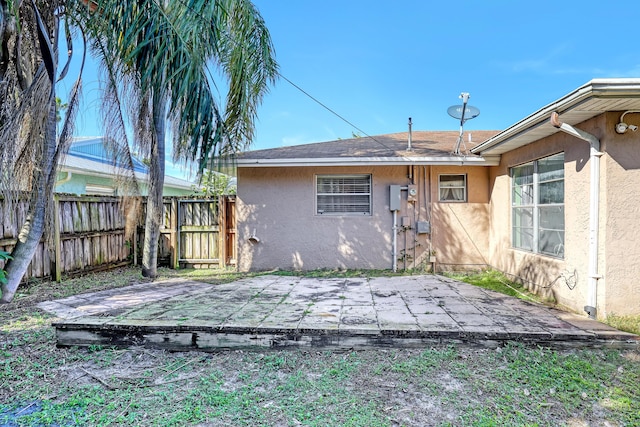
(537, 206)
(452, 187)
(343, 194)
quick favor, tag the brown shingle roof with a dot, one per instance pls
(424, 144)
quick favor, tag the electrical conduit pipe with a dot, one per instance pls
(594, 208)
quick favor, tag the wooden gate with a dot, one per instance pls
(196, 232)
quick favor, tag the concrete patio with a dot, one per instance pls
(294, 312)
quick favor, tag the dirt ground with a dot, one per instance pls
(41, 385)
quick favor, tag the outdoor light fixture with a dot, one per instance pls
(622, 127)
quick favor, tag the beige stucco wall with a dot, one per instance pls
(619, 252)
(620, 290)
(461, 230)
(279, 205)
(547, 275)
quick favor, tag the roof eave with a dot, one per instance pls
(371, 161)
(597, 88)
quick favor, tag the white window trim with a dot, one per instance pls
(535, 207)
(333, 214)
(464, 188)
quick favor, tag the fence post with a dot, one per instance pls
(222, 235)
(57, 249)
(174, 223)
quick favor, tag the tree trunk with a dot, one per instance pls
(154, 199)
(33, 228)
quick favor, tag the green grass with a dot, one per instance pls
(624, 323)
(495, 281)
(334, 273)
(514, 385)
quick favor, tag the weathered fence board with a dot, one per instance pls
(194, 232)
(89, 234)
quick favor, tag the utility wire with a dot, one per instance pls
(331, 111)
(199, 16)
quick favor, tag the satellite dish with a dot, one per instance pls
(463, 113)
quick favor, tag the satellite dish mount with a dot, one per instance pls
(463, 112)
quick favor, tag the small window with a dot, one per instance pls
(343, 194)
(452, 188)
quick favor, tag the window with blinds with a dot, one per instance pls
(343, 194)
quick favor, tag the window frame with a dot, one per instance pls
(318, 194)
(464, 188)
(528, 202)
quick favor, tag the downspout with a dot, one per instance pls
(64, 180)
(594, 208)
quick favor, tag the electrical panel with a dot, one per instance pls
(394, 198)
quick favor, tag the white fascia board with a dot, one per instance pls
(372, 161)
(596, 88)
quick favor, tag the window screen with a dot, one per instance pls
(537, 206)
(343, 194)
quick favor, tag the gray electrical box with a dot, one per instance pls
(394, 197)
(424, 227)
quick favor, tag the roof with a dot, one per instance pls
(428, 147)
(589, 100)
(84, 157)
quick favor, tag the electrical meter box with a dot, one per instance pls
(424, 227)
(412, 193)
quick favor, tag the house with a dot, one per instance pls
(550, 201)
(88, 169)
(327, 205)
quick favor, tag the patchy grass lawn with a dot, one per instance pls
(513, 385)
(496, 281)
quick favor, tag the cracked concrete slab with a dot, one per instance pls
(290, 311)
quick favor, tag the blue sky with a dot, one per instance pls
(377, 63)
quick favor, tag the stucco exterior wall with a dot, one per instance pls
(278, 205)
(461, 230)
(563, 279)
(620, 287)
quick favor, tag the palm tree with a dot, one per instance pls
(156, 55)
(30, 147)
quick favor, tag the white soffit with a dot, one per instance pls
(594, 98)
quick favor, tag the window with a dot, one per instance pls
(343, 194)
(453, 188)
(537, 204)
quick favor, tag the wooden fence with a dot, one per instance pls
(195, 232)
(89, 235)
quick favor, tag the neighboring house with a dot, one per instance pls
(88, 169)
(550, 201)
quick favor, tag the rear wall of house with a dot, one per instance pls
(277, 207)
(549, 276)
(620, 290)
(567, 279)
